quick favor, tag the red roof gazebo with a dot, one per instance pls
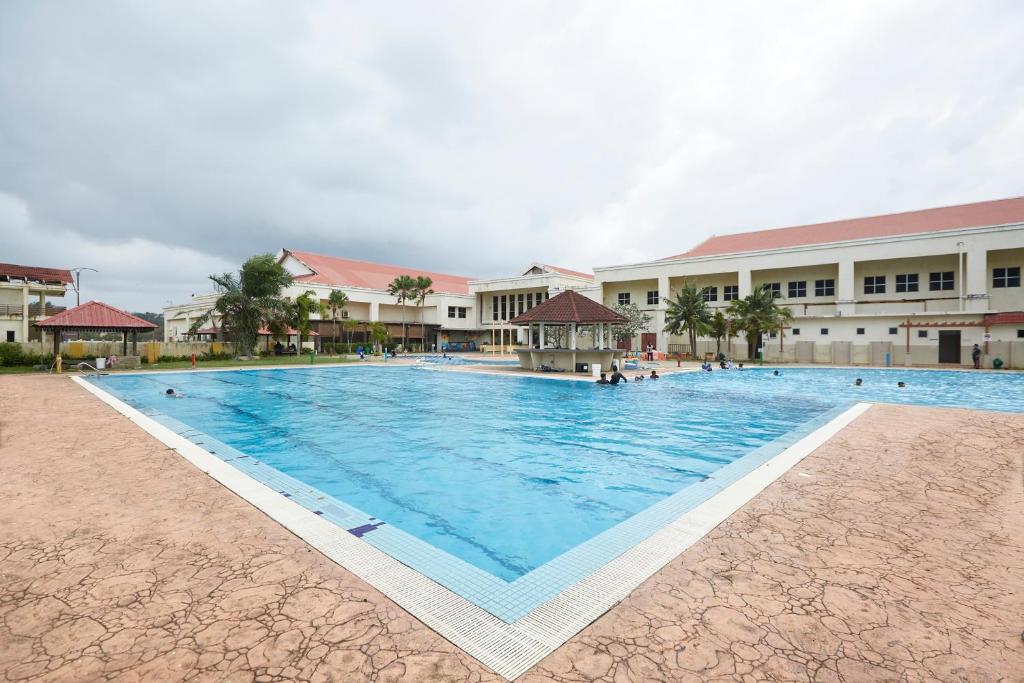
(96, 316)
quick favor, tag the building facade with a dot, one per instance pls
(921, 287)
(24, 299)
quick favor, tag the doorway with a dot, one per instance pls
(648, 339)
(949, 346)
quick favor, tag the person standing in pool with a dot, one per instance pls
(857, 382)
(604, 379)
(618, 377)
(976, 357)
(654, 374)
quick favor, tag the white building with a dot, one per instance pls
(24, 291)
(922, 285)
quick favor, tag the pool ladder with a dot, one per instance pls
(83, 364)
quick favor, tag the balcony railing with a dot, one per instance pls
(34, 310)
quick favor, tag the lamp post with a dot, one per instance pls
(77, 282)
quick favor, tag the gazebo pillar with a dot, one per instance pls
(135, 343)
(124, 345)
(56, 342)
(542, 335)
(572, 336)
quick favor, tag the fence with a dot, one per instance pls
(74, 350)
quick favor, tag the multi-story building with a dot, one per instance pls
(23, 299)
(920, 287)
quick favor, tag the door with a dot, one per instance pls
(949, 346)
(648, 338)
(624, 344)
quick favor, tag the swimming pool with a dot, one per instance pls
(507, 490)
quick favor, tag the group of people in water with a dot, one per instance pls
(618, 378)
(722, 365)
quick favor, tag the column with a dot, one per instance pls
(600, 336)
(743, 279)
(374, 311)
(659, 329)
(572, 336)
(976, 282)
(846, 289)
(664, 291)
(24, 314)
(542, 335)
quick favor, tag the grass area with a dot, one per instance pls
(184, 364)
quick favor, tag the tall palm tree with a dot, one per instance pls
(349, 326)
(719, 329)
(420, 294)
(248, 301)
(300, 311)
(336, 302)
(688, 312)
(756, 314)
(402, 288)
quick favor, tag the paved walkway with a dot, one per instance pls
(900, 557)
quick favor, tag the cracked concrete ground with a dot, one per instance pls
(901, 557)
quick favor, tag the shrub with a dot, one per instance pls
(11, 354)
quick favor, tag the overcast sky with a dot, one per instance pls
(160, 142)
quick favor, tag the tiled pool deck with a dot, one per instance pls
(900, 555)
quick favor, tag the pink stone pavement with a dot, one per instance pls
(901, 557)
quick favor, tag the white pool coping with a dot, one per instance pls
(510, 649)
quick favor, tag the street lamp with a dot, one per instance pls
(77, 282)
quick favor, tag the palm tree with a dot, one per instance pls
(688, 312)
(379, 333)
(402, 288)
(719, 329)
(349, 326)
(336, 302)
(300, 310)
(420, 294)
(249, 301)
(756, 314)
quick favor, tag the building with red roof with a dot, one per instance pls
(96, 316)
(24, 291)
(856, 287)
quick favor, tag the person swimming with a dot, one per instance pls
(170, 393)
(654, 374)
(857, 382)
(777, 373)
(901, 385)
(638, 378)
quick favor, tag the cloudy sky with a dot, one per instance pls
(160, 142)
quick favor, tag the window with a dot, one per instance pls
(462, 312)
(824, 288)
(522, 303)
(774, 287)
(860, 330)
(1020, 334)
(940, 281)
(797, 289)
(906, 283)
(494, 308)
(824, 332)
(710, 293)
(731, 293)
(652, 298)
(773, 335)
(529, 300)
(1006, 277)
(451, 311)
(874, 284)
(503, 309)
(10, 335)
(922, 334)
(894, 330)
(623, 298)
(796, 331)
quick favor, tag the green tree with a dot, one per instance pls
(336, 302)
(420, 293)
(349, 326)
(300, 311)
(637, 321)
(379, 333)
(756, 314)
(689, 313)
(248, 301)
(402, 288)
(720, 328)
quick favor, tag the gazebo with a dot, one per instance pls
(96, 316)
(569, 310)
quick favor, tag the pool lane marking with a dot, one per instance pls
(510, 649)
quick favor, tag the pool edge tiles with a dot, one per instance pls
(510, 649)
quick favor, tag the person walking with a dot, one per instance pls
(976, 357)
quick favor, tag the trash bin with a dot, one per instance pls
(582, 367)
(595, 369)
(100, 364)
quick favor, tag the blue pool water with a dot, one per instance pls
(508, 473)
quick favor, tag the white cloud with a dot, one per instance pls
(475, 138)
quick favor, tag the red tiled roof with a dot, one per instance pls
(569, 307)
(96, 315)
(263, 331)
(12, 270)
(332, 270)
(1006, 318)
(979, 214)
(567, 271)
